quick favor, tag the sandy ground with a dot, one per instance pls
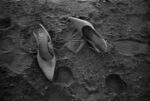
(122, 74)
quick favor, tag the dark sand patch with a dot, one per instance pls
(63, 75)
(5, 23)
(131, 48)
(56, 93)
(115, 84)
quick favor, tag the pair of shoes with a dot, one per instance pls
(46, 56)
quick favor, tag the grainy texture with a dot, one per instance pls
(117, 20)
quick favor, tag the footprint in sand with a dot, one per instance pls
(5, 23)
(116, 99)
(63, 75)
(115, 84)
(130, 47)
(6, 44)
(57, 93)
(16, 60)
(145, 97)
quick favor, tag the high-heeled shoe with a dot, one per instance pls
(45, 54)
(90, 35)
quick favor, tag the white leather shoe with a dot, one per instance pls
(45, 54)
(90, 34)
